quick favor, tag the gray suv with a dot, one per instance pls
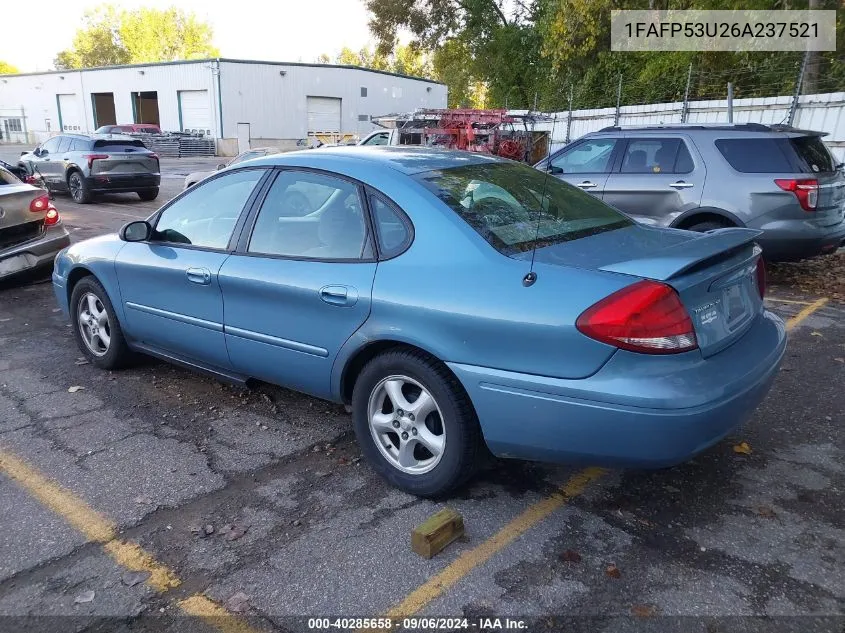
(85, 165)
(698, 177)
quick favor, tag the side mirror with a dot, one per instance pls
(37, 151)
(221, 166)
(555, 170)
(137, 231)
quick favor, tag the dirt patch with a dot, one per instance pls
(822, 276)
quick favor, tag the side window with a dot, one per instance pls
(311, 215)
(65, 144)
(80, 145)
(592, 156)
(206, 216)
(378, 139)
(52, 145)
(684, 163)
(650, 156)
(393, 232)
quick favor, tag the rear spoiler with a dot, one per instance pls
(680, 258)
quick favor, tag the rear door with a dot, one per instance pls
(169, 285)
(586, 163)
(300, 284)
(657, 179)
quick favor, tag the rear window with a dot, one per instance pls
(502, 202)
(812, 154)
(803, 154)
(128, 144)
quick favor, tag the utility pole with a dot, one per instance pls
(685, 109)
(810, 82)
(618, 99)
(793, 107)
(730, 102)
(569, 116)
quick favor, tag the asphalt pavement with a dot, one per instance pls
(135, 497)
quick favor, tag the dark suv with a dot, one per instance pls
(84, 165)
(701, 177)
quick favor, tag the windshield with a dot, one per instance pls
(501, 201)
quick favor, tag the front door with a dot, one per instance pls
(243, 137)
(657, 180)
(48, 164)
(169, 285)
(300, 286)
(585, 164)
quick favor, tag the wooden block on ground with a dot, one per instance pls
(436, 532)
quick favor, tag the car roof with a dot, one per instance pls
(711, 127)
(405, 159)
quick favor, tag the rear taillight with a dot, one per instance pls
(761, 277)
(154, 155)
(805, 189)
(40, 204)
(92, 157)
(52, 216)
(644, 317)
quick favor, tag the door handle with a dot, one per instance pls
(682, 185)
(339, 295)
(200, 276)
(586, 184)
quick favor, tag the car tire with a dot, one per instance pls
(88, 302)
(148, 194)
(79, 189)
(709, 225)
(450, 426)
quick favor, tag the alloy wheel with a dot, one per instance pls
(94, 324)
(406, 424)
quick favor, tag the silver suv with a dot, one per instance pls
(698, 177)
(85, 165)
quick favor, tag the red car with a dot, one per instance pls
(129, 128)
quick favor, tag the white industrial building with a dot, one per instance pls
(239, 103)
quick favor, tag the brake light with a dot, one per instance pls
(154, 155)
(805, 189)
(40, 204)
(761, 277)
(52, 216)
(644, 317)
(92, 157)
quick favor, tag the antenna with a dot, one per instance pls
(531, 277)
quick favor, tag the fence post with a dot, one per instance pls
(618, 99)
(685, 109)
(730, 102)
(569, 116)
(797, 94)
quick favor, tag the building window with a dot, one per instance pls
(14, 125)
(363, 91)
(363, 117)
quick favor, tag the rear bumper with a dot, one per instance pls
(122, 183)
(635, 411)
(792, 241)
(35, 253)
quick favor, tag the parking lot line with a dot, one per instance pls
(97, 528)
(805, 312)
(795, 301)
(466, 562)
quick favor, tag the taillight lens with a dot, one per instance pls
(805, 189)
(40, 204)
(52, 216)
(92, 157)
(154, 155)
(761, 277)
(644, 317)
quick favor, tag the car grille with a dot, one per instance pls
(20, 233)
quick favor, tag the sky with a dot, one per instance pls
(272, 30)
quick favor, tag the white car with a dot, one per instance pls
(257, 152)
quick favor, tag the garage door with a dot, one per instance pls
(69, 113)
(323, 114)
(196, 111)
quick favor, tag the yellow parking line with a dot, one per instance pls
(98, 529)
(795, 301)
(805, 312)
(466, 562)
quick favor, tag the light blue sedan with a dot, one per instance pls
(457, 301)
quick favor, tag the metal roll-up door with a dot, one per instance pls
(196, 111)
(323, 114)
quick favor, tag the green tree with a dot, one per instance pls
(111, 37)
(7, 69)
